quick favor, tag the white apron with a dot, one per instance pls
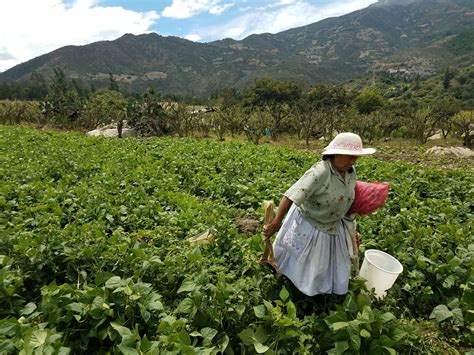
(316, 262)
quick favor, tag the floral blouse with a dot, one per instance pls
(323, 196)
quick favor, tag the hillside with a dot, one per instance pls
(415, 37)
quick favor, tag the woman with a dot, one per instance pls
(311, 247)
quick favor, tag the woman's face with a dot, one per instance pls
(343, 163)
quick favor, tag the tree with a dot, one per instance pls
(331, 103)
(423, 123)
(146, 114)
(307, 118)
(449, 75)
(359, 123)
(182, 118)
(464, 125)
(389, 119)
(37, 88)
(113, 83)
(444, 109)
(16, 112)
(254, 123)
(62, 105)
(368, 101)
(225, 115)
(107, 106)
(274, 97)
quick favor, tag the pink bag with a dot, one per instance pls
(368, 197)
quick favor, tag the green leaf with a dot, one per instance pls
(145, 344)
(240, 309)
(260, 348)
(338, 316)
(223, 342)
(291, 309)
(123, 331)
(261, 334)
(284, 294)
(350, 303)
(113, 282)
(391, 351)
(75, 307)
(247, 336)
(64, 351)
(187, 286)
(250, 337)
(186, 306)
(8, 327)
(341, 346)
(28, 309)
(423, 262)
(128, 350)
(154, 305)
(260, 311)
(387, 317)
(339, 325)
(208, 333)
(441, 313)
(38, 338)
(364, 333)
(102, 277)
(449, 282)
(453, 303)
(457, 316)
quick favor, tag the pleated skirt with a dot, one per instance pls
(316, 262)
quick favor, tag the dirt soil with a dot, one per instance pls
(396, 150)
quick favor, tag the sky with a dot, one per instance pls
(30, 28)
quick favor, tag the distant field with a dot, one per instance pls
(94, 254)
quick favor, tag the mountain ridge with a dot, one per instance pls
(410, 36)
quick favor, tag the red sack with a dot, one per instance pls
(368, 197)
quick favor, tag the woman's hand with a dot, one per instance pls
(270, 229)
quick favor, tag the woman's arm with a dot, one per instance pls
(274, 226)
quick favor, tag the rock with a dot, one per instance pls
(111, 132)
(435, 136)
(456, 151)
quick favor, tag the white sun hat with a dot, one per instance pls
(347, 143)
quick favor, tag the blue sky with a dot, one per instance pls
(29, 28)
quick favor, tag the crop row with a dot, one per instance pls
(94, 257)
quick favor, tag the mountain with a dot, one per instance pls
(411, 37)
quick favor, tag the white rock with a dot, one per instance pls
(94, 133)
(457, 151)
(111, 132)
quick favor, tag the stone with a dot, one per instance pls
(460, 152)
(111, 132)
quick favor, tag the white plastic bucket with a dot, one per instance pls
(380, 270)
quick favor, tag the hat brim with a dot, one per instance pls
(357, 153)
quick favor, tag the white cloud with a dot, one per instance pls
(31, 28)
(282, 15)
(219, 9)
(182, 9)
(193, 37)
